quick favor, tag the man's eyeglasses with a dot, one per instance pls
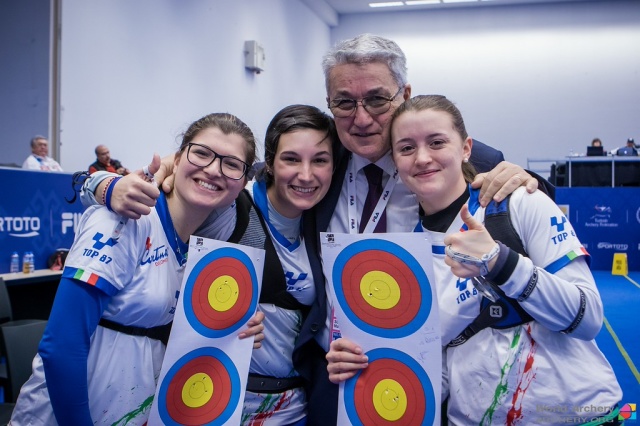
(374, 105)
(202, 156)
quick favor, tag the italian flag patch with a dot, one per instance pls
(86, 276)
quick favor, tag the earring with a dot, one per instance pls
(465, 160)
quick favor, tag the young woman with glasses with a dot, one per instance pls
(300, 145)
(102, 351)
(545, 370)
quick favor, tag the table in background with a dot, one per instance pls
(597, 171)
(32, 294)
(37, 276)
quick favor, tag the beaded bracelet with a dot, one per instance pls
(104, 191)
(109, 190)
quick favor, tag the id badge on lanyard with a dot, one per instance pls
(354, 216)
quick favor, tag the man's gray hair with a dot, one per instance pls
(366, 49)
(35, 139)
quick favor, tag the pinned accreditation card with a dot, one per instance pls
(384, 300)
(205, 369)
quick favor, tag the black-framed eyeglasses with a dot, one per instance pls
(375, 105)
(231, 167)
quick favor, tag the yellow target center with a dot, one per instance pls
(197, 390)
(389, 400)
(223, 293)
(380, 290)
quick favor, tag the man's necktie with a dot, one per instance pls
(374, 178)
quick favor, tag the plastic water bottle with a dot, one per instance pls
(32, 263)
(15, 262)
(25, 263)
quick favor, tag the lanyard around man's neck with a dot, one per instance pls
(354, 216)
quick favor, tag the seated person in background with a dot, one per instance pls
(105, 162)
(39, 158)
(596, 148)
(629, 149)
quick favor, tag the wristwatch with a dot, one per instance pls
(481, 262)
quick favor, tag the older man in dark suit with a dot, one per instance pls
(366, 81)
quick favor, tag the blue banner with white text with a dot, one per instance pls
(34, 215)
(607, 221)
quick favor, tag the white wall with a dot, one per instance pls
(533, 81)
(136, 73)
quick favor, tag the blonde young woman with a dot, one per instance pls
(499, 376)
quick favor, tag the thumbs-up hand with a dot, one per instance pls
(476, 242)
(164, 174)
(135, 194)
(154, 165)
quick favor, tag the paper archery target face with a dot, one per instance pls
(221, 292)
(393, 389)
(201, 388)
(382, 288)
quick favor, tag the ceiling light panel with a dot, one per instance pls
(420, 2)
(387, 4)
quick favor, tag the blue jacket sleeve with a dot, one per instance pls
(65, 348)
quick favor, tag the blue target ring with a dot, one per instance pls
(204, 319)
(226, 389)
(421, 401)
(417, 290)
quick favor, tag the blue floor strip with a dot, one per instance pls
(618, 339)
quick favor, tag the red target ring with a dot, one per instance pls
(202, 387)
(393, 390)
(205, 311)
(407, 307)
(377, 371)
(219, 399)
